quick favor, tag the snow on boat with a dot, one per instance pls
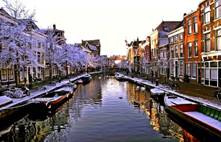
(199, 116)
(119, 77)
(86, 79)
(4, 100)
(79, 81)
(156, 91)
(157, 94)
(54, 99)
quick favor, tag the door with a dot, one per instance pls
(176, 69)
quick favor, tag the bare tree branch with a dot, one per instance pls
(18, 10)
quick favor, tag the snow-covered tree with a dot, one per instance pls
(71, 55)
(15, 51)
(52, 52)
(18, 10)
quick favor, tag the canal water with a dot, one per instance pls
(105, 110)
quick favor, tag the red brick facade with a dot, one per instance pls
(192, 44)
(211, 42)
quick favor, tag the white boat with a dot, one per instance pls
(202, 117)
(156, 91)
(157, 94)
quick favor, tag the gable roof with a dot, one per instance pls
(95, 42)
(168, 26)
(28, 22)
(5, 14)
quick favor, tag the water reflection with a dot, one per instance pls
(103, 110)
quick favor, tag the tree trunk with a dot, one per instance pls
(50, 71)
(0, 77)
(66, 68)
(17, 76)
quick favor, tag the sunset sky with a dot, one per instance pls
(111, 21)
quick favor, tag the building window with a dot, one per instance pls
(181, 50)
(189, 27)
(175, 38)
(171, 67)
(193, 70)
(207, 43)
(171, 40)
(39, 45)
(206, 15)
(195, 25)
(176, 51)
(39, 57)
(189, 49)
(1, 46)
(218, 39)
(181, 36)
(218, 9)
(195, 48)
(188, 69)
(181, 68)
(172, 53)
(4, 74)
(29, 45)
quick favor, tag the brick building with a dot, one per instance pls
(176, 59)
(192, 45)
(160, 48)
(211, 35)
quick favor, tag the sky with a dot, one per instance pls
(111, 21)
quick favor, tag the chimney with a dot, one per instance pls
(54, 27)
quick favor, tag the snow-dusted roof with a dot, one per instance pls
(163, 42)
(92, 47)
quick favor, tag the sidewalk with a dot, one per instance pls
(199, 93)
(37, 92)
(198, 90)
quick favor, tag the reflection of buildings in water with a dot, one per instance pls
(86, 94)
(136, 97)
(90, 93)
(154, 116)
(57, 121)
(160, 121)
(188, 137)
(158, 117)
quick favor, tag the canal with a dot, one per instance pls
(104, 110)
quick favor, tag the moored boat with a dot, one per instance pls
(54, 99)
(157, 94)
(199, 116)
(119, 77)
(86, 79)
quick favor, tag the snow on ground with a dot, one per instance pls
(42, 90)
(169, 90)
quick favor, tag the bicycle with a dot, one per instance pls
(217, 94)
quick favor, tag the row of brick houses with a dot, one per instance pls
(41, 37)
(188, 49)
